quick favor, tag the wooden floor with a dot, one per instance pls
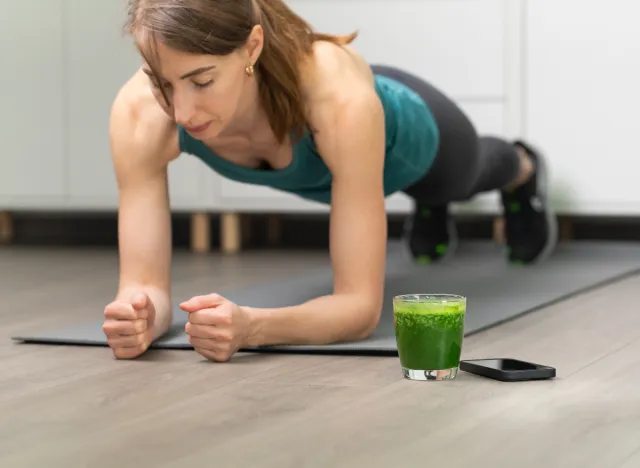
(78, 407)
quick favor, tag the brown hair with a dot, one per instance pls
(219, 27)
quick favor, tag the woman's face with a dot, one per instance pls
(205, 92)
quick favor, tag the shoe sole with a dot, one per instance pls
(453, 241)
(542, 191)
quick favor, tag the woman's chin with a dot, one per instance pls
(209, 131)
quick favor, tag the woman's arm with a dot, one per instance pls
(143, 142)
(349, 121)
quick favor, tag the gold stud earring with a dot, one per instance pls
(250, 70)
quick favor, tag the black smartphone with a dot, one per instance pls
(507, 370)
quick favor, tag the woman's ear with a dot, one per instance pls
(254, 44)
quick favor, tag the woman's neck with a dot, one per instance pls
(250, 119)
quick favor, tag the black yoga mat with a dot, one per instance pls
(496, 292)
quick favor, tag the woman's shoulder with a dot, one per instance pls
(335, 71)
(139, 122)
(336, 82)
(341, 100)
(338, 85)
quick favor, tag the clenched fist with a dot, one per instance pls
(128, 325)
(217, 327)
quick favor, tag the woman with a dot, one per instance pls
(246, 86)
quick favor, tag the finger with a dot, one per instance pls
(124, 327)
(202, 343)
(142, 313)
(139, 301)
(208, 332)
(120, 311)
(202, 302)
(132, 341)
(202, 317)
(220, 317)
(211, 355)
(217, 356)
(128, 353)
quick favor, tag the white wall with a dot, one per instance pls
(562, 72)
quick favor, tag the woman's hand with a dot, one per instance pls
(128, 325)
(217, 327)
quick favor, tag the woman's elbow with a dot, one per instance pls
(368, 321)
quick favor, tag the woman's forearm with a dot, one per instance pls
(325, 320)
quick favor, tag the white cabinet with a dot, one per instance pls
(236, 196)
(32, 93)
(582, 96)
(192, 185)
(99, 58)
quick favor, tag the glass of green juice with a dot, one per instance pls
(429, 331)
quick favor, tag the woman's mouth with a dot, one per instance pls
(198, 129)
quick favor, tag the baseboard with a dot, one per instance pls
(304, 231)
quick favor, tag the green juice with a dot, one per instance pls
(429, 333)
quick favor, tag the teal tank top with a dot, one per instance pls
(412, 140)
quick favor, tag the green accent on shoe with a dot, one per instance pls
(425, 212)
(423, 259)
(441, 248)
(514, 206)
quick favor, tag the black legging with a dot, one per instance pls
(465, 164)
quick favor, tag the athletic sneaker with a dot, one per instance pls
(430, 234)
(531, 227)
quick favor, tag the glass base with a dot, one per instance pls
(439, 374)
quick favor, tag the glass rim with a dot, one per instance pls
(426, 297)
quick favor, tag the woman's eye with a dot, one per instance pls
(203, 85)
